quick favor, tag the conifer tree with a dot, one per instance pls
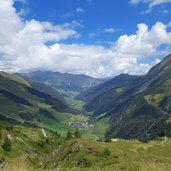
(77, 133)
(7, 145)
(69, 135)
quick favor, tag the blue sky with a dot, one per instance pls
(97, 15)
(95, 37)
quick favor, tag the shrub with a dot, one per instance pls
(41, 144)
(108, 140)
(9, 128)
(7, 145)
(100, 140)
(106, 152)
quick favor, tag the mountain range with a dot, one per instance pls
(64, 82)
(132, 106)
(45, 125)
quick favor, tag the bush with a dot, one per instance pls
(9, 128)
(108, 140)
(57, 134)
(41, 143)
(100, 140)
(106, 152)
(7, 145)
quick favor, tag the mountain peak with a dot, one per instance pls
(160, 66)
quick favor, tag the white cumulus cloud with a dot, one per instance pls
(30, 45)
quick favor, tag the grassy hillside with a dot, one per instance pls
(37, 104)
(32, 150)
(14, 77)
(33, 103)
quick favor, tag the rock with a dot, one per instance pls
(31, 153)
(3, 162)
(82, 163)
(91, 151)
(75, 146)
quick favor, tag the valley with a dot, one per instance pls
(122, 123)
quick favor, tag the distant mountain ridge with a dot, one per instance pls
(65, 81)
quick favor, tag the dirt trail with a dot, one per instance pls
(44, 133)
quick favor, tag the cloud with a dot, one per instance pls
(80, 10)
(109, 30)
(145, 41)
(91, 35)
(24, 12)
(27, 45)
(103, 31)
(150, 3)
(158, 2)
(70, 14)
(22, 1)
(66, 15)
(169, 24)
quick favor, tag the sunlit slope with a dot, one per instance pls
(23, 102)
(34, 150)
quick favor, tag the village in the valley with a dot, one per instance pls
(82, 124)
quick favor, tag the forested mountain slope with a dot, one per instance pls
(148, 108)
(139, 108)
(102, 97)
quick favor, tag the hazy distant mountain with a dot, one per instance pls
(64, 81)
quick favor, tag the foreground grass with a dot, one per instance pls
(32, 151)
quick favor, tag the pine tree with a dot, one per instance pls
(77, 133)
(69, 135)
(7, 145)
